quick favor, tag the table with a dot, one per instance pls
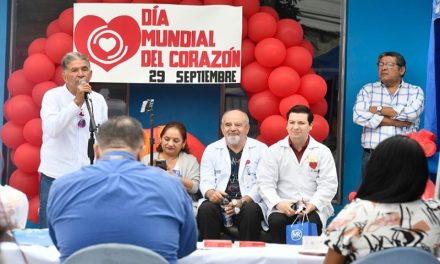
(272, 253)
(34, 254)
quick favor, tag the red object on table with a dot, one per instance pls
(251, 244)
(217, 243)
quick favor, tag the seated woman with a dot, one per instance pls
(174, 149)
(388, 210)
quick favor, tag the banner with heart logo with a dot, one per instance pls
(146, 43)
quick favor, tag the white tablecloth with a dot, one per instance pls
(270, 254)
(34, 254)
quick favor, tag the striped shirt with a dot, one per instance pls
(407, 101)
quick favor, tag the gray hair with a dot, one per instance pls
(120, 132)
(69, 57)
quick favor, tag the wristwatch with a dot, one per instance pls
(379, 109)
(236, 210)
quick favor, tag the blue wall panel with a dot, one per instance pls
(196, 106)
(375, 26)
(4, 22)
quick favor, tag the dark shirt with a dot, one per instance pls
(233, 187)
(300, 153)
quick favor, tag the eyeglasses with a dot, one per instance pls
(82, 121)
(387, 65)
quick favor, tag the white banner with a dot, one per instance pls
(159, 43)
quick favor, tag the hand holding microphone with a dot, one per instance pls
(82, 91)
(84, 87)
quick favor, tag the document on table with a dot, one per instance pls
(33, 237)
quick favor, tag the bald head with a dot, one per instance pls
(235, 127)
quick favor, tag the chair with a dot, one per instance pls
(114, 253)
(400, 255)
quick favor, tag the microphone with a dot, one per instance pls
(86, 94)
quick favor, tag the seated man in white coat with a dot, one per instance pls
(297, 170)
(228, 170)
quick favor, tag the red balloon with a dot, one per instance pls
(37, 46)
(33, 132)
(254, 77)
(306, 44)
(320, 107)
(38, 68)
(247, 52)
(273, 129)
(58, 76)
(34, 205)
(27, 157)
(284, 81)
(25, 182)
(351, 196)
(429, 190)
(191, 2)
(270, 11)
(320, 128)
(270, 52)
(12, 135)
(313, 87)
(19, 84)
(58, 45)
(196, 147)
(12, 155)
(53, 28)
(244, 28)
(22, 109)
(427, 134)
(40, 89)
(287, 103)
(260, 26)
(218, 2)
(6, 110)
(65, 20)
(311, 71)
(289, 32)
(299, 59)
(263, 104)
(250, 7)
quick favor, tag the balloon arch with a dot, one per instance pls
(276, 75)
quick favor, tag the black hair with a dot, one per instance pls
(397, 172)
(400, 60)
(182, 130)
(301, 109)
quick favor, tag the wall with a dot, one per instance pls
(4, 24)
(196, 106)
(375, 26)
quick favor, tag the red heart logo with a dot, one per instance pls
(107, 44)
(313, 164)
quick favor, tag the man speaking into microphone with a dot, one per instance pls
(65, 121)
